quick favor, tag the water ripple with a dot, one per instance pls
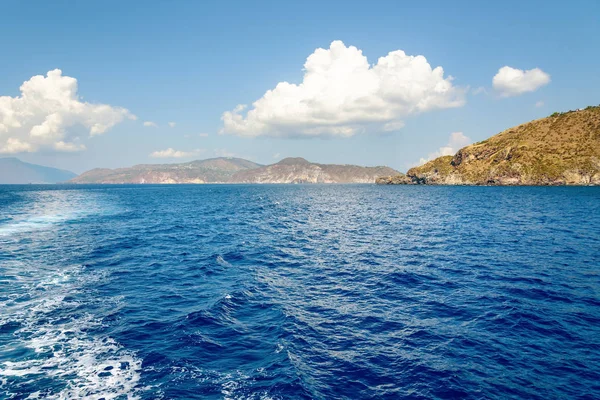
(299, 292)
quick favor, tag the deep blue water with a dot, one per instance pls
(299, 292)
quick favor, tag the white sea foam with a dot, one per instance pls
(87, 366)
(221, 261)
(46, 209)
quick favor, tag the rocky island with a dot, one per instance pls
(236, 170)
(562, 149)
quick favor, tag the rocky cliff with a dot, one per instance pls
(562, 149)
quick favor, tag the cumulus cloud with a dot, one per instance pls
(341, 94)
(47, 114)
(172, 153)
(513, 82)
(172, 124)
(457, 141)
(150, 124)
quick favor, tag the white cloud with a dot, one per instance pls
(513, 82)
(276, 156)
(479, 90)
(342, 94)
(172, 153)
(47, 113)
(203, 134)
(150, 124)
(539, 104)
(457, 141)
(68, 147)
(172, 124)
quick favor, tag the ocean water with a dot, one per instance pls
(299, 292)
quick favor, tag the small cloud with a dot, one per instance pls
(479, 90)
(393, 126)
(172, 153)
(150, 124)
(203, 134)
(539, 104)
(457, 141)
(513, 82)
(276, 156)
(68, 147)
(223, 153)
(172, 124)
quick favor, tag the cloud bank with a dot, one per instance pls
(457, 141)
(513, 82)
(172, 153)
(342, 94)
(46, 114)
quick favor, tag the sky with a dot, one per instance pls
(109, 84)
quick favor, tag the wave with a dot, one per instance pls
(59, 345)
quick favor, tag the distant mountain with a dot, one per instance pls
(298, 170)
(236, 170)
(214, 170)
(562, 149)
(15, 171)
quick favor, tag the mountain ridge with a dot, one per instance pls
(15, 171)
(236, 170)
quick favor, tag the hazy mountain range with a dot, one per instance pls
(236, 170)
(15, 171)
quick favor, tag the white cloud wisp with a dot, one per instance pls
(342, 94)
(457, 141)
(172, 153)
(510, 81)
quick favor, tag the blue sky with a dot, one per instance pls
(189, 62)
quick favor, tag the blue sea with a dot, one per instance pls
(299, 292)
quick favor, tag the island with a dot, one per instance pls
(562, 149)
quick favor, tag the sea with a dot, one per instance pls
(299, 292)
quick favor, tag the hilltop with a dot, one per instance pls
(15, 171)
(562, 149)
(236, 170)
(299, 170)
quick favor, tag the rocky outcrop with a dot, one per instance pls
(399, 179)
(563, 149)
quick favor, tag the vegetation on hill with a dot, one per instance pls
(562, 149)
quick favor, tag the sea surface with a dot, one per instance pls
(299, 292)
